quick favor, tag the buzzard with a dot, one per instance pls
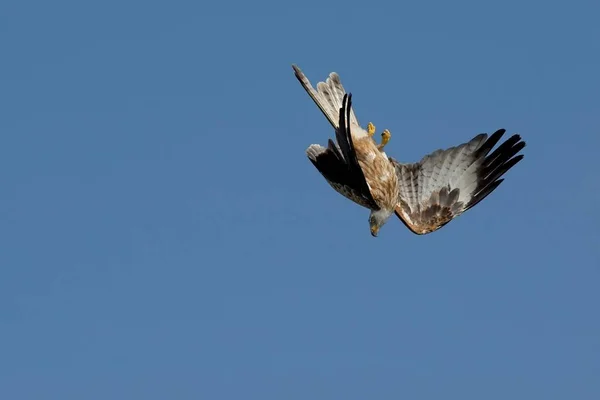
(424, 195)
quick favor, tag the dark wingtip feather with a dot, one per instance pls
(511, 145)
(496, 164)
(484, 193)
(341, 133)
(344, 138)
(489, 144)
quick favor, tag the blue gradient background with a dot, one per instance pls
(163, 235)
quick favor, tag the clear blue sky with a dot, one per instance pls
(163, 235)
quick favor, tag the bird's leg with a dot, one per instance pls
(371, 129)
(385, 138)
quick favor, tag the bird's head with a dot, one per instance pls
(378, 218)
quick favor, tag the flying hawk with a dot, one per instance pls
(424, 195)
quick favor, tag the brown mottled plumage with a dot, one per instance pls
(424, 195)
(376, 165)
(446, 183)
(355, 167)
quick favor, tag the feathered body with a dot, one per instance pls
(424, 195)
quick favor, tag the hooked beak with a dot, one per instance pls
(374, 231)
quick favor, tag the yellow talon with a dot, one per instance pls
(371, 129)
(385, 138)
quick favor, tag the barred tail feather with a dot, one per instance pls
(328, 96)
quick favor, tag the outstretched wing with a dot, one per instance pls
(338, 162)
(446, 183)
(328, 96)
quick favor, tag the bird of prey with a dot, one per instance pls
(424, 195)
